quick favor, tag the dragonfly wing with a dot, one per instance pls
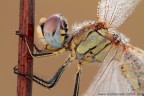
(133, 69)
(116, 12)
(109, 79)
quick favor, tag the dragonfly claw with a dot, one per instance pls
(15, 69)
(20, 34)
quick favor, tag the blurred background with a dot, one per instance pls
(76, 11)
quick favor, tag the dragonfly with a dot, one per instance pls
(122, 65)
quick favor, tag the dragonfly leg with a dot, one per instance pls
(51, 82)
(77, 81)
(40, 52)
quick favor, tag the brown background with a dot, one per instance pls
(75, 11)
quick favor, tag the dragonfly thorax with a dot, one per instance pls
(92, 42)
(89, 41)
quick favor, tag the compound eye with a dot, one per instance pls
(53, 29)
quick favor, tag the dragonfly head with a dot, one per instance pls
(53, 32)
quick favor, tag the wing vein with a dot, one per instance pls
(116, 12)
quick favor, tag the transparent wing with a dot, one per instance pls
(120, 73)
(109, 79)
(133, 69)
(115, 12)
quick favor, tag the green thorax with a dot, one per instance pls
(91, 43)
